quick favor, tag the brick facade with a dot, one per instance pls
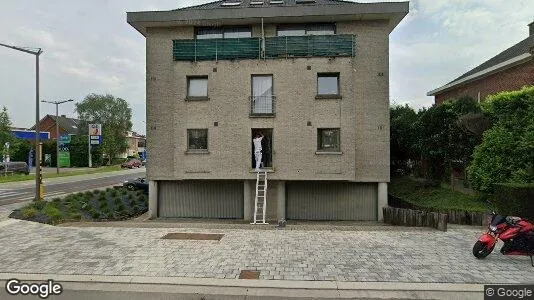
(507, 80)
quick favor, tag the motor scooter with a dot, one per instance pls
(516, 233)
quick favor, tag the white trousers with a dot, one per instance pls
(258, 159)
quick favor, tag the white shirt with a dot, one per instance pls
(257, 144)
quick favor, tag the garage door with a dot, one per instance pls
(331, 201)
(200, 199)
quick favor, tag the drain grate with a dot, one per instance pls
(193, 236)
(248, 274)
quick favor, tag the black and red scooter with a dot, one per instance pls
(516, 233)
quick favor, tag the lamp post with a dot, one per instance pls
(38, 179)
(57, 103)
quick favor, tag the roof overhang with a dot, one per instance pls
(392, 11)
(520, 59)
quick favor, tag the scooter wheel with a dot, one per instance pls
(481, 250)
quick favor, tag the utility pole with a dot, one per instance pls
(57, 103)
(38, 178)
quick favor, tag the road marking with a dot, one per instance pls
(11, 194)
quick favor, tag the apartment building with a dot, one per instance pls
(311, 75)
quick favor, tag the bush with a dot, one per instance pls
(53, 212)
(514, 199)
(29, 212)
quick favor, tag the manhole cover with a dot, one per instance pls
(247, 274)
(193, 236)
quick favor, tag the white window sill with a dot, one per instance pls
(328, 153)
(262, 170)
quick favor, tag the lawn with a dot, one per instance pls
(22, 177)
(111, 204)
(435, 198)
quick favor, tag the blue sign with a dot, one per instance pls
(30, 135)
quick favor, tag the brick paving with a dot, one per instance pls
(365, 255)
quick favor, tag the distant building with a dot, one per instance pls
(66, 125)
(136, 144)
(27, 134)
(510, 70)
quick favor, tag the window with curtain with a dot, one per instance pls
(197, 86)
(328, 84)
(197, 139)
(262, 94)
(328, 139)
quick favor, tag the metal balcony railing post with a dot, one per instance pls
(287, 54)
(195, 50)
(216, 50)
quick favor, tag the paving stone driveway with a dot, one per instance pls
(375, 255)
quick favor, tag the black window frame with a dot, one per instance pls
(320, 143)
(189, 149)
(197, 98)
(329, 74)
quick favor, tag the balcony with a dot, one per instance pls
(262, 106)
(275, 47)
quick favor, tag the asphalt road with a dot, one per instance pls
(56, 188)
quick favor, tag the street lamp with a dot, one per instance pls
(57, 103)
(38, 179)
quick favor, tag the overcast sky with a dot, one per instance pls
(89, 48)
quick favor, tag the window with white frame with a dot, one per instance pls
(197, 87)
(328, 140)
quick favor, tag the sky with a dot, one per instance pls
(89, 48)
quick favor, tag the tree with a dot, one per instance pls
(403, 136)
(440, 138)
(5, 131)
(506, 154)
(115, 116)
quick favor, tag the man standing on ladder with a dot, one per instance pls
(257, 149)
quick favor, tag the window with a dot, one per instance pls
(328, 84)
(328, 140)
(197, 139)
(262, 95)
(197, 87)
(223, 32)
(306, 29)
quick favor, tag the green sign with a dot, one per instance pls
(64, 151)
(64, 159)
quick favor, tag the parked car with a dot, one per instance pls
(137, 184)
(134, 163)
(14, 167)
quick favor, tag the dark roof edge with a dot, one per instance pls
(518, 60)
(190, 15)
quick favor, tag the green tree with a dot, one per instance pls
(5, 131)
(441, 139)
(115, 116)
(506, 154)
(403, 135)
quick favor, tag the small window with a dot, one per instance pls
(237, 32)
(197, 87)
(328, 140)
(328, 84)
(197, 139)
(203, 33)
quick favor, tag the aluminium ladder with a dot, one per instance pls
(260, 202)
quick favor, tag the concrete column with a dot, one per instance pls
(247, 200)
(281, 195)
(153, 199)
(382, 199)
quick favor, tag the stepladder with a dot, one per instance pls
(260, 201)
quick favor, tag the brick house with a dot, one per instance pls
(136, 144)
(66, 125)
(510, 70)
(312, 75)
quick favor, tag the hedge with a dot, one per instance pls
(514, 199)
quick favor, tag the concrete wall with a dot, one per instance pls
(362, 114)
(508, 80)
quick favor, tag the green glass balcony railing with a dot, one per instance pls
(275, 47)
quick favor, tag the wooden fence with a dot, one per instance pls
(418, 218)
